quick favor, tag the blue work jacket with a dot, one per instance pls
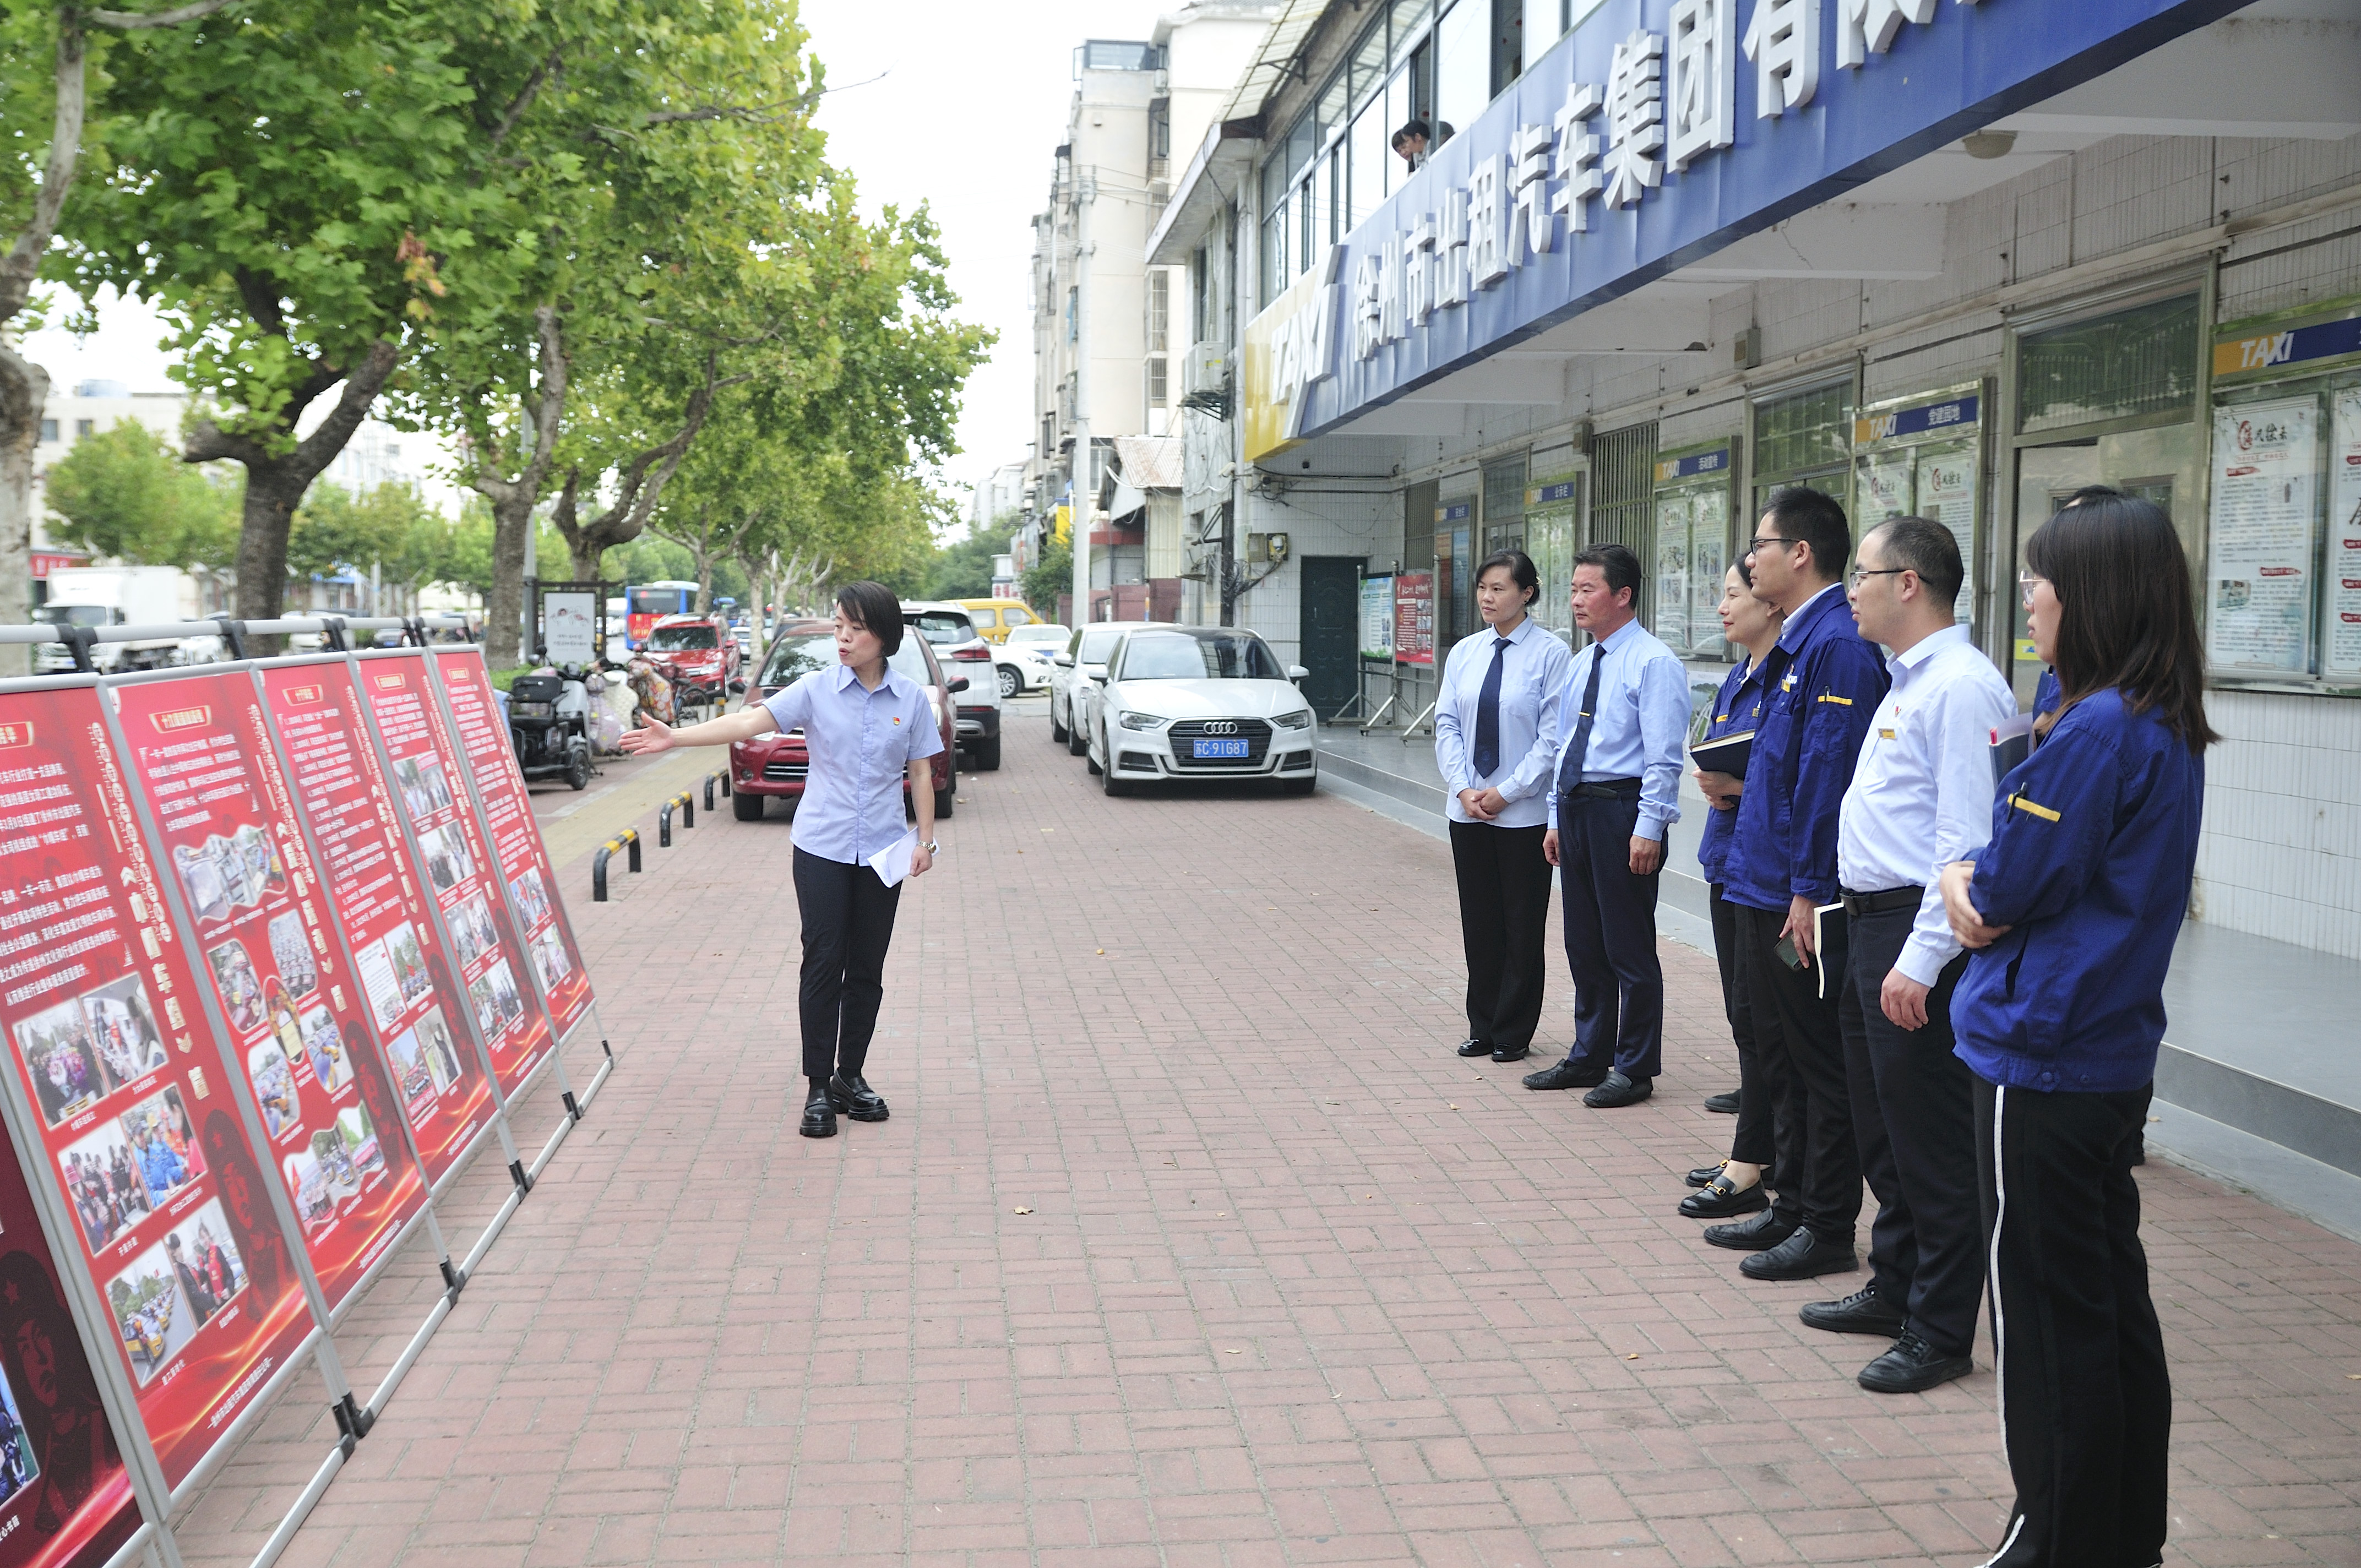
(2094, 840)
(1737, 709)
(1825, 680)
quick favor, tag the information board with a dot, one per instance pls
(127, 1090)
(2259, 577)
(2341, 648)
(418, 1008)
(65, 1496)
(1378, 619)
(517, 847)
(1414, 618)
(201, 744)
(453, 861)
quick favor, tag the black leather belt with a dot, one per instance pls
(1860, 904)
(1603, 789)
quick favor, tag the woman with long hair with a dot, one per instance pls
(2071, 913)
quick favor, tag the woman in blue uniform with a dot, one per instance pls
(2070, 912)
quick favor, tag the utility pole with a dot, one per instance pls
(1084, 467)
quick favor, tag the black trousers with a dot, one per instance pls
(848, 921)
(1820, 1179)
(2085, 1397)
(1504, 889)
(1913, 1120)
(1611, 937)
(1761, 1074)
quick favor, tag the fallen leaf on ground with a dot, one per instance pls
(1024, 1210)
(1633, 1356)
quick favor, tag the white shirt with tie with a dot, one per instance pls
(1532, 680)
(1922, 791)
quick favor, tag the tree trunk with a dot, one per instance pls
(514, 500)
(704, 581)
(504, 611)
(24, 389)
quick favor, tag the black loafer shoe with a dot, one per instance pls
(1505, 1054)
(819, 1117)
(1862, 1313)
(1702, 1174)
(1568, 1074)
(1619, 1090)
(1472, 1047)
(1801, 1256)
(1760, 1233)
(1717, 1200)
(856, 1099)
(1725, 1104)
(1913, 1366)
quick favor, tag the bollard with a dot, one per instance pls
(663, 817)
(629, 836)
(708, 790)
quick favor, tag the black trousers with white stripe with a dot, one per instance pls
(2085, 1398)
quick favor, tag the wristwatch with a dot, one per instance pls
(931, 846)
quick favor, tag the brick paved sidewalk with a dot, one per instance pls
(1201, 1248)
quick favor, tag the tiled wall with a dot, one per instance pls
(2281, 854)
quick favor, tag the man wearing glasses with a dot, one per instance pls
(1825, 681)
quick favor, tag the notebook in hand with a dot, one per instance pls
(1724, 754)
(2011, 743)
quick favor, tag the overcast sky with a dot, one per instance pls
(971, 104)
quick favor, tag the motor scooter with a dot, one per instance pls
(549, 725)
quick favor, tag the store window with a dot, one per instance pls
(48, 430)
(1504, 505)
(1454, 559)
(2108, 398)
(1691, 548)
(1804, 438)
(1921, 456)
(2283, 536)
(1552, 510)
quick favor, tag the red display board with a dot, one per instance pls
(129, 1088)
(1414, 618)
(523, 858)
(421, 1023)
(452, 861)
(65, 1497)
(201, 745)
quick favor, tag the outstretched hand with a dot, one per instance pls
(656, 736)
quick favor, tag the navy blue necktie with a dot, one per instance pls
(1570, 773)
(1487, 713)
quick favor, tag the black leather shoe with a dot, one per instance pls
(856, 1099)
(1702, 1174)
(1568, 1074)
(1473, 1047)
(1725, 1104)
(1505, 1054)
(1801, 1256)
(1862, 1313)
(1619, 1090)
(1760, 1233)
(819, 1116)
(1912, 1367)
(1720, 1200)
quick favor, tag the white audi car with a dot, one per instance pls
(1199, 702)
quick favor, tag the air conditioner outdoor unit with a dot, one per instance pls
(1206, 368)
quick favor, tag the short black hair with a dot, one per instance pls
(1411, 127)
(2127, 617)
(876, 608)
(1808, 517)
(1521, 571)
(1616, 565)
(1925, 546)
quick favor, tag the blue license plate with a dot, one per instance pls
(1219, 748)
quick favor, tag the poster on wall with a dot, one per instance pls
(65, 1496)
(2340, 649)
(1378, 619)
(415, 1004)
(518, 852)
(453, 862)
(1885, 486)
(1414, 618)
(2259, 562)
(277, 967)
(1671, 585)
(1946, 486)
(125, 1088)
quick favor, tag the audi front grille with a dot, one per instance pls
(1255, 732)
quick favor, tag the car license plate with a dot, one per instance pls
(1219, 748)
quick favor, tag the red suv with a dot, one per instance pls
(776, 764)
(697, 654)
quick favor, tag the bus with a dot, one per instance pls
(645, 602)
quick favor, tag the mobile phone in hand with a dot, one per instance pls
(1786, 954)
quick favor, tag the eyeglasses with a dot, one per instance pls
(2026, 582)
(1755, 546)
(1853, 578)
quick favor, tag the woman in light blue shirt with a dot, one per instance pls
(1495, 737)
(866, 727)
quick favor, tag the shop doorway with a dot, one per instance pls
(1331, 624)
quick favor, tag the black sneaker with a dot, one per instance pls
(1727, 1104)
(1913, 1366)
(1862, 1313)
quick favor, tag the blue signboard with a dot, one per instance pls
(1659, 131)
(1675, 468)
(1561, 493)
(1457, 511)
(1926, 419)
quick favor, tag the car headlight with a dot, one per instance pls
(1142, 721)
(1299, 719)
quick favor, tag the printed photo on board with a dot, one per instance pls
(103, 1183)
(123, 1028)
(323, 1048)
(290, 951)
(241, 988)
(167, 1157)
(62, 1055)
(376, 967)
(274, 1088)
(18, 1467)
(401, 951)
(531, 897)
(471, 928)
(202, 879)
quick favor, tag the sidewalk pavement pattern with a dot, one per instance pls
(1190, 1242)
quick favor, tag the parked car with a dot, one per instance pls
(776, 765)
(1200, 702)
(1025, 661)
(950, 632)
(697, 654)
(995, 619)
(1070, 688)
